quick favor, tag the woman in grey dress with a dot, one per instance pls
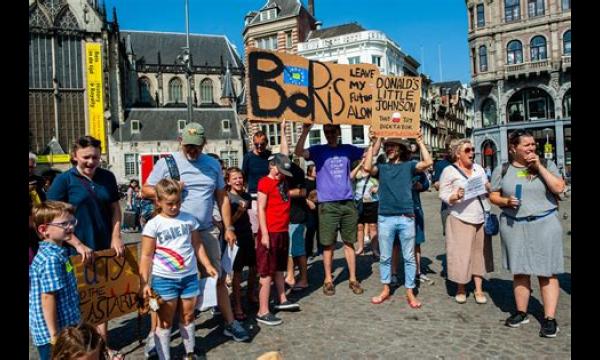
(525, 189)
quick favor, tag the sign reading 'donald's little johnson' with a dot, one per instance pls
(283, 86)
(397, 106)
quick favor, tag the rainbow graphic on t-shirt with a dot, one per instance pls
(169, 258)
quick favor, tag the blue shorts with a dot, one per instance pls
(170, 289)
(297, 247)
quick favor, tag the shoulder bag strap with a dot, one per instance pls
(365, 185)
(466, 177)
(172, 165)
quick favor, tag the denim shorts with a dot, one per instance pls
(170, 289)
(297, 247)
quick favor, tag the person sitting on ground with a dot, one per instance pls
(81, 342)
(53, 295)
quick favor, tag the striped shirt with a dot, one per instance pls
(52, 272)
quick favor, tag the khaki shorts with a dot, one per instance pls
(336, 215)
(212, 246)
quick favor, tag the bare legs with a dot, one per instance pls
(549, 288)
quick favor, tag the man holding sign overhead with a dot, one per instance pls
(335, 197)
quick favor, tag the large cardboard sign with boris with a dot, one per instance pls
(283, 86)
(397, 106)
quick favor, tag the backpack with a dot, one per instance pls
(147, 205)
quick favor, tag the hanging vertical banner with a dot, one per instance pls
(93, 66)
(397, 106)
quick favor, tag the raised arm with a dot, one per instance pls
(426, 161)
(299, 150)
(283, 147)
(369, 156)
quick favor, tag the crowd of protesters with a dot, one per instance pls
(279, 217)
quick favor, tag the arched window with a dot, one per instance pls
(530, 104)
(567, 104)
(567, 43)
(145, 90)
(483, 59)
(512, 10)
(490, 154)
(538, 48)
(514, 52)
(175, 90)
(206, 91)
(489, 113)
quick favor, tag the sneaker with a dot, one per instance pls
(517, 319)
(150, 347)
(425, 279)
(394, 281)
(215, 311)
(549, 328)
(236, 331)
(287, 305)
(269, 319)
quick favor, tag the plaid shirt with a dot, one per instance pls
(52, 272)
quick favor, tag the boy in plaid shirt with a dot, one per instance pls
(53, 296)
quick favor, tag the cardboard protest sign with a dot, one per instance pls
(397, 106)
(107, 288)
(288, 86)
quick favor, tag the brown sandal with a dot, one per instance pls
(328, 289)
(355, 286)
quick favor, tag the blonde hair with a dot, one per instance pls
(49, 210)
(164, 188)
(455, 146)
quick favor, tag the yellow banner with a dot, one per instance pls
(53, 158)
(93, 65)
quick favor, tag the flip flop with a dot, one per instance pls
(114, 354)
(299, 288)
(379, 299)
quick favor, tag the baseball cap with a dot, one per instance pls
(282, 162)
(192, 134)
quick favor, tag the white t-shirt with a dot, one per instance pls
(174, 256)
(469, 211)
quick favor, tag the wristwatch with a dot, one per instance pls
(231, 228)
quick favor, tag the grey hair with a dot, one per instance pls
(455, 146)
(33, 157)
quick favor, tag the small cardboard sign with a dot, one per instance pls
(284, 86)
(107, 288)
(397, 106)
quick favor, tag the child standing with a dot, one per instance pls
(273, 238)
(240, 202)
(53, 296)
(170, 243)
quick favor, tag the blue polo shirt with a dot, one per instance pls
(52, 272)
(92, 201)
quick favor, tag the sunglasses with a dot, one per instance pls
(468, 150)
(261, 144)
(65, 224)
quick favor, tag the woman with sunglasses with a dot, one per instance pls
(95, 194)
(468, 254)
(526, 188)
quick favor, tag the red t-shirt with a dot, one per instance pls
(277, 210)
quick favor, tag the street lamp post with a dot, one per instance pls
(186, 59)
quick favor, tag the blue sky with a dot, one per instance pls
(420, 27)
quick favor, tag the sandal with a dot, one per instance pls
(328, 289)
(114, 354)
(356, 288)
(379, 299)
(415, 304)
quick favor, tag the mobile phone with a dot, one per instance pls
(518, 191)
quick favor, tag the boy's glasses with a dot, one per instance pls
(65, 224)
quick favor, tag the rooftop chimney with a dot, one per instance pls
(311, 7)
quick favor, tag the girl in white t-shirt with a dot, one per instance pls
(170, 243)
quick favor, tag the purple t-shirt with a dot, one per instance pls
(333, 170)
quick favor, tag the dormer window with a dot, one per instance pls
(180, 125)
(225, 125)
(135, 126)
(268, 14)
